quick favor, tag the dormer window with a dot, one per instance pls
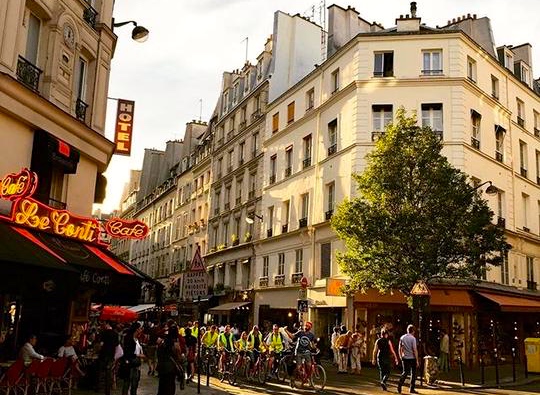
(225, 102)
(259, 70)
(247, 81)
(524, 74)
(236, 93)
(508, 60)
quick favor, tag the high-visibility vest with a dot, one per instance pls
(194, 331)
(275, 342)
(251, 340)
(226, 342)
(242, 344)
(209, 339)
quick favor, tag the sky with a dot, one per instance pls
(192, 42)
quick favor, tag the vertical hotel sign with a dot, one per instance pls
(124, 127)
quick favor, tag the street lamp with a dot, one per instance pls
(139, 33)
(250, 219)
(490, 190)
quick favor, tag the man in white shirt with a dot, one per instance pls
(445, 351)
(27, 353)
(409, 358)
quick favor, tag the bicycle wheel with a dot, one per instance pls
(282, 372)
(318, 377)
(262, 372)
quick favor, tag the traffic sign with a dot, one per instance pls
(302, 293)
(304, 282)
(302, 306)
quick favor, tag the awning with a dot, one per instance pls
(515, 304)
(228, 306)
(141, 308)
(374, 296)
(450, 297)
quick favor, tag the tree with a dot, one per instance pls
(415, 217)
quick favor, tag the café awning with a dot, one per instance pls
(516, 304)
(141, 308)
(228, 307)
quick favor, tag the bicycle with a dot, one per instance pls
(258, 370)
(311, 373)
(210, 360)
(228, 371)
(282, 366)
(241, 366)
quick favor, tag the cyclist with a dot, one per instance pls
(255, 343)
(210, 337)
(242, 347)
(305, 342)
(276, 344)
(225, 345)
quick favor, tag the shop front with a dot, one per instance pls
(276, 306)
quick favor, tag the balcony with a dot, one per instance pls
(263, 282)
(523, 172)
(240, 161)
(272, 179)
(28, 74)
(375, 136)
(269, 232)
(498, 156)
(90, 15)
(242, 125)
(227, 206)
(288, 171)
(332, 149)
(328, 215)
(231, 134)
(432, 72)
(531, 285)
(296, 277)
(284, 228)
(238, 200)
(521, 122)
(501, 222)
(306, 163)
(386, 73)
(256, 115)
(80, 110)
(279, 280)
(475, 143)
(216, 211)
(536, 132)
(525, 229)
(302, 223)
(251, 194)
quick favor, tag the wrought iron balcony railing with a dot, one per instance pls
(28, 73)
(80, 110)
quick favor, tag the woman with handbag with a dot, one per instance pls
(130, 363)
(169, 356)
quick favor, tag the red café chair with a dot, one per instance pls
(56, 375)
(27, 381)
(42, 376)
(11, 381)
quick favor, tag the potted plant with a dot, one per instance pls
(234, 239)
(247, 237)
(221, 247)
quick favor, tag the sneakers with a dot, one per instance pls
(383, 386)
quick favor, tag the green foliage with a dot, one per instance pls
(415, 217)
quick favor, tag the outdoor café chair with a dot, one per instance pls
(56, 375)
(11, 381)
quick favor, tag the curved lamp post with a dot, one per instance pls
(139, 33)
(250, 219)
(490, 190)
(421, 295)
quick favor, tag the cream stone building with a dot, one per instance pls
(484, 104)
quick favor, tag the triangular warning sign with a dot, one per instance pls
(197, 263)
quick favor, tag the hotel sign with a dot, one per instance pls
(124, 127)
(28, 212)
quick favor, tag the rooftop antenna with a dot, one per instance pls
(247, 46)
(200, 110)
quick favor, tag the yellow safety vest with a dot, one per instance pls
(209, 339)
(276, 342)
(251, 340)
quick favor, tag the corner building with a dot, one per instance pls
(480, 99)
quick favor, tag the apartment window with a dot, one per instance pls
(494, 87)
(252, 184)
(332, 137)
(523, 158)
(307, 141)
(537, 160)
(239, 192)
(82, 68)
(299, 260)
(524, 74)
(536, 120)
(227, 200)
(525, 202)
(310, 99)
(275, 122)
(432, 116)
(530, 272)
(476, 119)
(384, 64)
(382, 115)
(330, 199)
(508, 61)
(257, 103)
(225, 233)
(326, 260)
(499, 142)
(230, 159)
(255, 143)
(304, 209)
(247, 81)
(265, 266)
(290, 113)
(288, 160)
(281, 264)
(471, 69)
(225, 102)
(32, 41)
(270, 221)
(334, 80)
(273, 167)
(285, 216)
(432, 62)
(241, 149)
(520, 113)
(236, 93)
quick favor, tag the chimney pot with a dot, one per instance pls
(413, 9)
(401, 16)
(474, 16)
(463, 17)
(449, 21)
(459, 19)
(406, 16)
(453, 20)
(468, 15)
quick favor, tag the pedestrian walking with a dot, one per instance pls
(356, 347)
(168, 363)
(444, 351)
(108, 340)
(342, 344)
(409, 358)
(335, 335)
(383, 351)
(130, 365)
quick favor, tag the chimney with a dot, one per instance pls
(413, 9)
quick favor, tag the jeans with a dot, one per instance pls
(443, 362)
(384, 370)
(132, 382)
(409, 366)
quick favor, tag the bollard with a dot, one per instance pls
(513, 364)
(208, 372)
(496, 367)
(482, 370)
(461, 374)
(199, 347)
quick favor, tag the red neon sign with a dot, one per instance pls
(31, 213)
(14, 186)
(124, 229)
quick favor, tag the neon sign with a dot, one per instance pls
(31, 213)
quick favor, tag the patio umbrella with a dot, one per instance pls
(117, 314)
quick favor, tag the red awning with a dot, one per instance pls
(117, 314)
(513, 303)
